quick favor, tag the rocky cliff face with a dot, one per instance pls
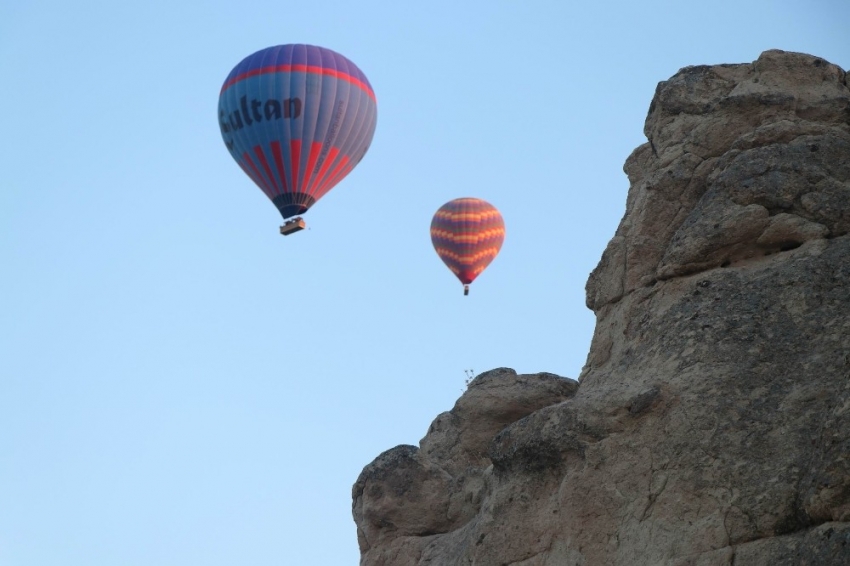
(711, 425)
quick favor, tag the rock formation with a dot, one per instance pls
(712, 421)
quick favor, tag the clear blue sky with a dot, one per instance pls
(181, 385)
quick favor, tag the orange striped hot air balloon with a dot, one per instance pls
(467, 234)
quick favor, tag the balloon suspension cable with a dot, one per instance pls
(292, 226)
(465, 290)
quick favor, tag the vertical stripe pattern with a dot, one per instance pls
(297, 119)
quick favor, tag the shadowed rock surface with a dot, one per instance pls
(712, 423)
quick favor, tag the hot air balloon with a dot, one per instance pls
(297, 119)
(467, 234)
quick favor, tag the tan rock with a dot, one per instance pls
(774, 133)
(409, 494)
(712, 423)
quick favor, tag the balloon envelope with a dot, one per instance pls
(297, 119)
(467, 234)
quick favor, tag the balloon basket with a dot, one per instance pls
(292, 226)
(465, 290)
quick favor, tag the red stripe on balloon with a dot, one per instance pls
(254, 173)
(300, 69)
(258, 151)
(321, 183)
(295, 156)
(277, 154)
(315, 149)
(344, 168)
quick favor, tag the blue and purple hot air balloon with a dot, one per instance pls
(297, 119)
